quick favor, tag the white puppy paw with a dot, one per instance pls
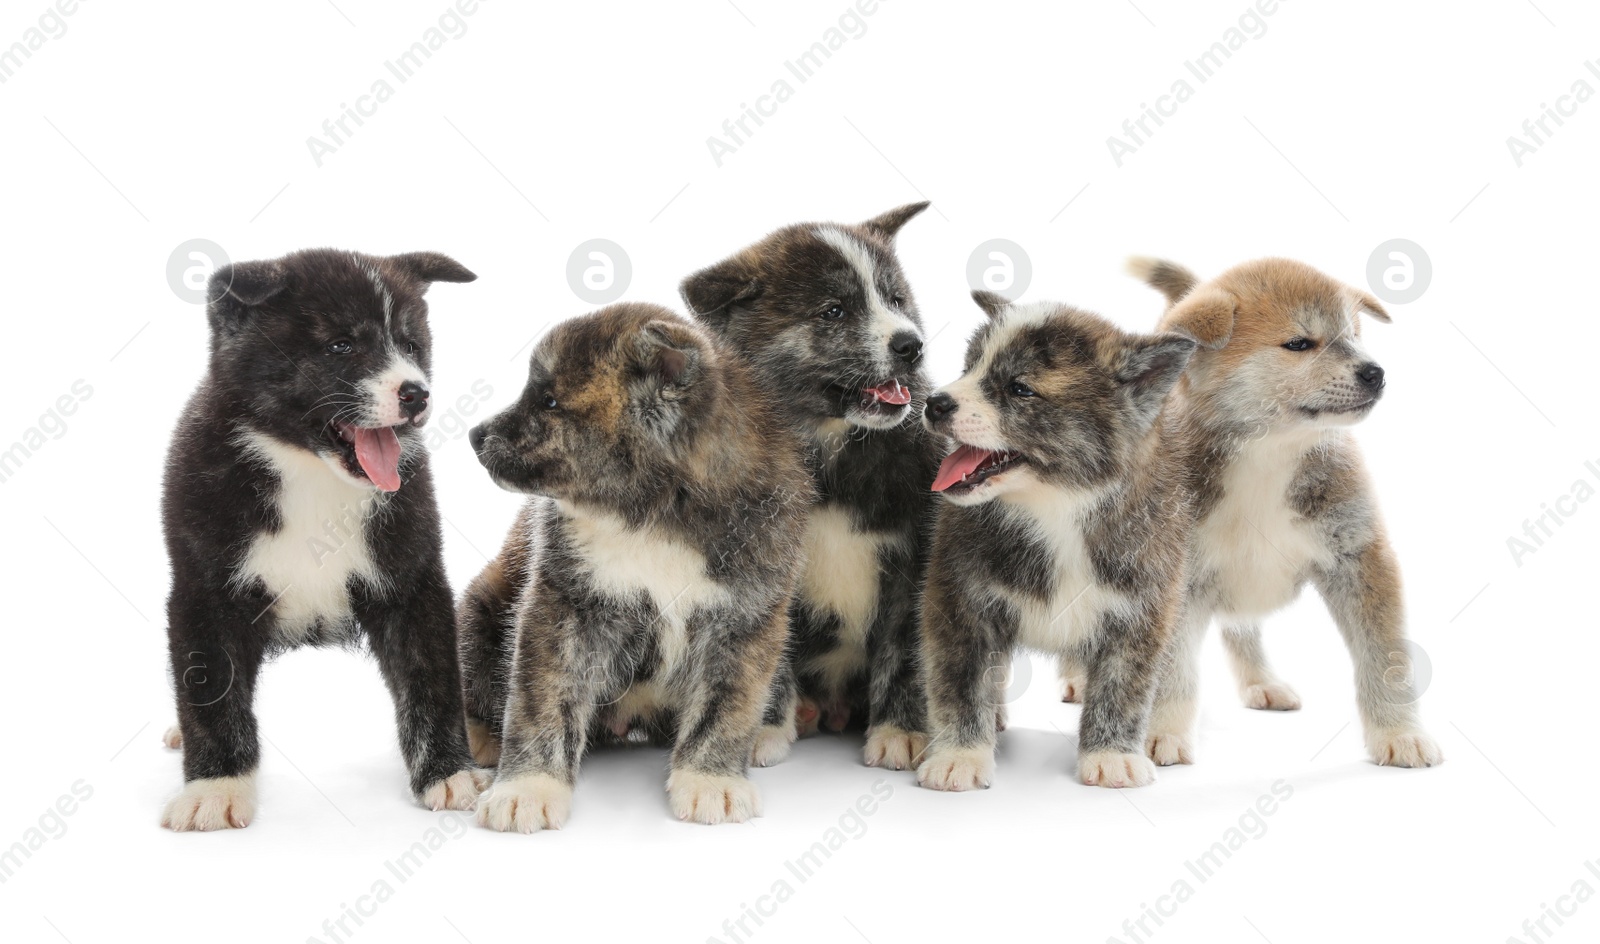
(1169, 749)
(173, 737)
(1115, 769)
(526, 804)
(957, 768)
(1270, 696)
(1407, 747)
(772, 744)
(894, 747)
(459, 791)
(212, 803)
(484, 745)
(712, 798)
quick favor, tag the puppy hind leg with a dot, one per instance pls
(1259, 686)
(1177, 702)
(779, 722)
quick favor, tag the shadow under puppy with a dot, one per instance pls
(1281, 495)
(824, 315)
(1063, 529)
(651, 579)
(299, 510)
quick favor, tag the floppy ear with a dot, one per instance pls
(888, 224)
(993, 305)
(713, 292)
(1205, 314)
(1168, 278)
(670, 355)
(431, 267)
(1150, 366)
(1371, 306)
(245, 283)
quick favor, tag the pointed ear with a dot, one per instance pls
(246, 283)
(888, 224)
(714, 292)
(993, 305)
(1150, 366)
(1371, 306)
(428, 267)
(670, 355)
(1205, 314)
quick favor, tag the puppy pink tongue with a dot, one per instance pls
(378, 451)
(890, 392)
(958, 465)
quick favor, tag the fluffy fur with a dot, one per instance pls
(824, 315)
(279, 537)
(1281, 497)
(648, 581)
(1062, 530)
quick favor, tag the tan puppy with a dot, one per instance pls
(1280, 494)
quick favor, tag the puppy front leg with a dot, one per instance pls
(897, 701)
(413, 638)
(216, 646)
(1125, 661)
(735, 658)
(554, 690)
(1259, 686)
(966, 649)
(780, 727)
(1362, 591)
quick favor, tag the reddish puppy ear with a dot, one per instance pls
(1370, 305)
(1205, 314)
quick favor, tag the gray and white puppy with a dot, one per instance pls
(649, 581)
(1281, 497)
(1063, 530)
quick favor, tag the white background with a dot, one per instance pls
(1343, 126)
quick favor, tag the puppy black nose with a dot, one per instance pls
(940, 405)
(413, 398)
(475, 436)
(906, 345)
(1371, 376)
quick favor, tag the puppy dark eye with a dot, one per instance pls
(898, 301)
(1020, 389)
(1299, 344)
(410, 348)
(832, 313)
(341, 347)
(549, 402)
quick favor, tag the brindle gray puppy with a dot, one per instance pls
(651, 580)
(825, 316)
(1281, 495)
(1064, 530)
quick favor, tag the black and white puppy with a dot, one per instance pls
(824, 314)
(1064, 530)
(648, 581)
(299, 510)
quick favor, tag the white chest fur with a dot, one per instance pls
(307, 564)
(1079, 600)
(841, 576)
(623, 561)
(1252, 548)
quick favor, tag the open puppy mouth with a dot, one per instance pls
(369, 453)
(884, 399)
(969, 466)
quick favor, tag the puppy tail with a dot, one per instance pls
(1169, 278)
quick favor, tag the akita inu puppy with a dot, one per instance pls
(1281, 497)
(824, 315)
(650, 581)
(1064, 529)
(299, 510)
